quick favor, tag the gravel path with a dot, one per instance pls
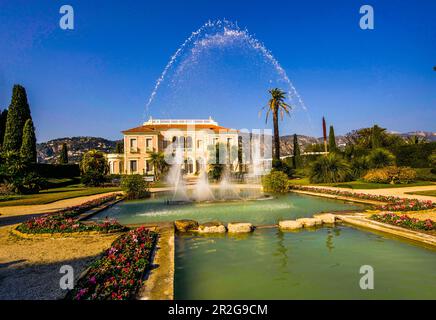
(29, 269)
(47, 208)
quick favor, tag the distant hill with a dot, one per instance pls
(429, 136)
(48, 152)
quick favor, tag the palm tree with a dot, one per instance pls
(157, 160)
(275, 104)
(415, 139)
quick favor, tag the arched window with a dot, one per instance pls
(182, 142)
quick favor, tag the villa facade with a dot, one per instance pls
(195, 137)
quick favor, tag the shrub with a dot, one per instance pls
(135, 186)
(276, 181)
(283, 166)
(359, 166)
(18, 175)
(425, 174)
(391, 175)
(432, 160)
(379, 158)
(215, 172)
(330, 169)
(94, 168)
(415, 155)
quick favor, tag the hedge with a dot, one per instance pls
(414, 155)
(48, 170)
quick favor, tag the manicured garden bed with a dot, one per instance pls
(405, 221)
(118, 274)
(392, 203)
(66, 221)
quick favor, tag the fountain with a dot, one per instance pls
(202, 190)
(188, 74)
(227, 189)
(197, 72)
(175, 177)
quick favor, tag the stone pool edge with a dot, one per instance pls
(364, 222)
(334, 197)
(159, 282)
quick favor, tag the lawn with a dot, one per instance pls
(431, 193)
(361, 184)
(52, 195)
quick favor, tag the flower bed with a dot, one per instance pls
(393, 203)
(58, 223)
(405, 221)
(118, 274)
(65, 221)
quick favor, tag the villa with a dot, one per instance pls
(194, 136)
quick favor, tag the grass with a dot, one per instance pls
(361, 184)
(431, 193)
(52, 195)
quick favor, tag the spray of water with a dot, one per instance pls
(221, 33)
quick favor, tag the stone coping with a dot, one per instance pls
(331, 196)
(100, 208)
(364, 222)
(159, 283)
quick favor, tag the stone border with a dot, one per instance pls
(91, 212)
(334, 197)
(159, 283)
(366, 223)
(62, 234)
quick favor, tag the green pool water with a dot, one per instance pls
(258, 212)
(320, 264)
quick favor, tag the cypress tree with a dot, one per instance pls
(296, 152)
(63, 157)
(332, 140)
(18, 114)
(28, 147)
(3, 117)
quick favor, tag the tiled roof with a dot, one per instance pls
(155, 128)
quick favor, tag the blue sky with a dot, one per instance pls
(96, 79)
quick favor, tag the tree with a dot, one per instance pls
(63, 156)
(296, 152)
(119, 147)
(332, 140)
(94, 168)
(275, 105)
(379, 158)
(18, 114)
(28, 146)
(376, 137)
(415, 139)
(157, 160)
(3, 118)
(330, 169)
